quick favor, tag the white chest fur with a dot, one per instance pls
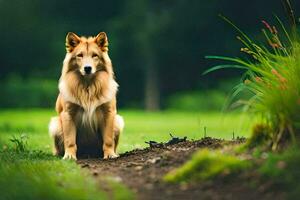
(88, 101)
(89, 121)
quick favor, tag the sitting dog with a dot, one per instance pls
(87, 123)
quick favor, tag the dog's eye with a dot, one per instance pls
(80, 55)
(95, 56)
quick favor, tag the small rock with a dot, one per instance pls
(95, 173)
(117, 179)
(154, 160)
(182, 149)
(138, 168)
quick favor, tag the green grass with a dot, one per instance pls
(36, 174)
(31, 172)
(27, 176)
(139, 126)
(39, 175)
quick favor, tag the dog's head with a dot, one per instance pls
(87, 55)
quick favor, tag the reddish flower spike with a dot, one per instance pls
(268, 26)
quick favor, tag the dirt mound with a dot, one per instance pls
(142, 171)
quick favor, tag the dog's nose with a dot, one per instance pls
(87, 69)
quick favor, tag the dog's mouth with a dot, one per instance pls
(87, 74)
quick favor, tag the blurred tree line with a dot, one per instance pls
(157, 47)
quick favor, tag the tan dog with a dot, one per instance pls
(87, 122)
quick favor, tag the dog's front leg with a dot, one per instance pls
(69, 133)
(108, 136)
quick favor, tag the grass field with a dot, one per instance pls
(36, 174)
(139, 126)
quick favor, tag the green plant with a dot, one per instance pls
(273, 77)
(20, 142)
(283, 170)
(261, 136)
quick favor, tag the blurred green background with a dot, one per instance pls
(157, 48)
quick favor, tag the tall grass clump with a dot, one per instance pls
(273, 78)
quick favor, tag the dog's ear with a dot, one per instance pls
(102, 41)
(72, 40)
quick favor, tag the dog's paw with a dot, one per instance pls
(110, 155)
(69, 156)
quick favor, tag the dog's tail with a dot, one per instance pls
(55, 131)
(55, 128)
(119, 123)
(118, 129)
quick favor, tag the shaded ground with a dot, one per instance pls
(142, 171)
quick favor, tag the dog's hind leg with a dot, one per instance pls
(55, 131)
(118, 129)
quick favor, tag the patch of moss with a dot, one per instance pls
(207, 164)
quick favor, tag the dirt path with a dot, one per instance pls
(142, 171)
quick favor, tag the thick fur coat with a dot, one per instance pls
(87, 122)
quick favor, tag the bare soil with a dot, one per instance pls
(142, 170)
